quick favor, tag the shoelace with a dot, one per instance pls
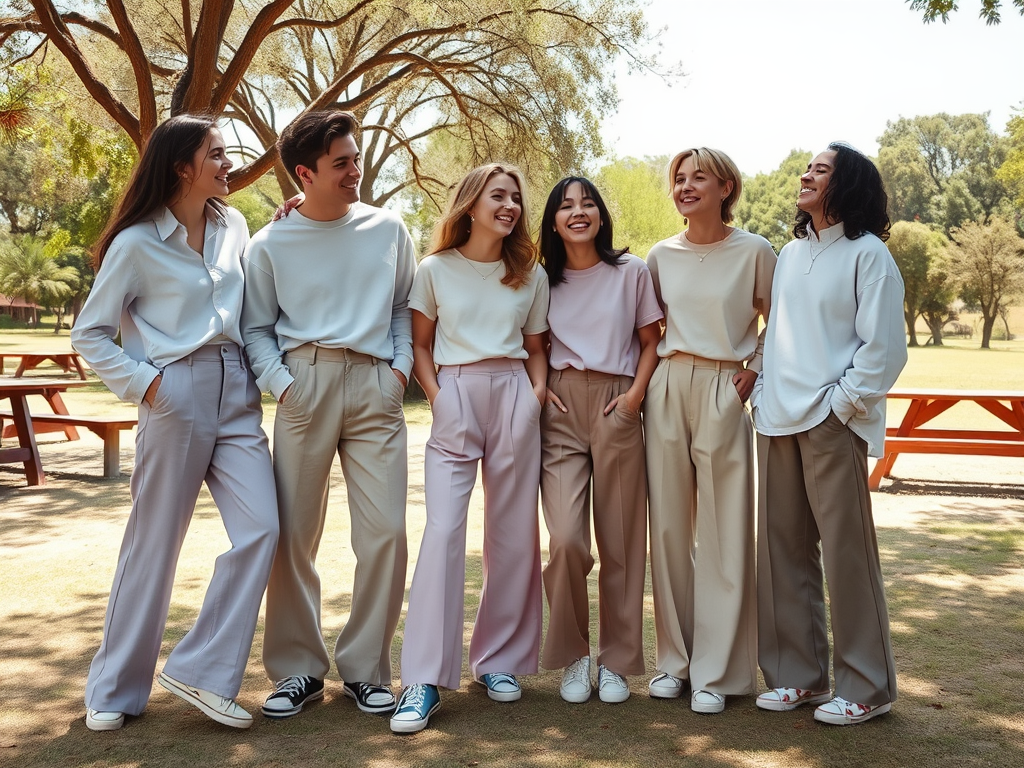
(291, 684)
(577, 673)
(413, 697)
(498, 678)
(605, 675)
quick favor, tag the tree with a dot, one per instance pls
(918, 251)
(1011, 172)
(988, 260)
(767, 206)
(637, 195)
(941, 169)
(28, 272)
(520, 76)
(990, 10)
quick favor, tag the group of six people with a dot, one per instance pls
(537, 370)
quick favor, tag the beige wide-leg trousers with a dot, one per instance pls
(580, 448)
(351, 404)
(700, 471)
(815, 506)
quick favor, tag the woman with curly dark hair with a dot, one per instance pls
(834, 347)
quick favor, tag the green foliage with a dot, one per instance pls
(990, 10)
(637, 195)
(29, 271)
(1011, 172)
(767, 206)
(988, 261)
(941, 169)
(919, 252)
(254, 205)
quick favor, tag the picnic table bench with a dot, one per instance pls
(69, 361)
(107, 428)
(911, 436)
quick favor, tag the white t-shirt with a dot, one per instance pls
(478, 317)
(594, 315)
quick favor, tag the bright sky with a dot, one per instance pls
(767, 76)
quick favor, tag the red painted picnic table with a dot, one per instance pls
(18, 392)
(912, 436)
(70, 361)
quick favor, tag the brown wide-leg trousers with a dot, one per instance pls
(578, 448)
(700, 469)
(815, 506)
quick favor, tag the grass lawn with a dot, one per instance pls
(952, 546)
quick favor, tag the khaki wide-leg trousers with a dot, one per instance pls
(351, 404)
(814, 506)
(203, 425)
(485, 413)
(580, 448)
(700, 471)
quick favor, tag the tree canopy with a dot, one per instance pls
(990, 11)
(524, 79)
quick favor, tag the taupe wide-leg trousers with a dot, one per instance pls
(580, 448)
(700, 469)
(351, 404)
(203, 425)
(814, 506)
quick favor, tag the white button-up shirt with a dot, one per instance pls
(166, 299)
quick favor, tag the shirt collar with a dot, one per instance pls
(827, 236)
(166, 223)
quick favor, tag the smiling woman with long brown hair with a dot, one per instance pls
(169, 281)
(479, 305)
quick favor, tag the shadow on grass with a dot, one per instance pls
(956, 598)
(908, 487)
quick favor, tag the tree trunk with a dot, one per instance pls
(987, 323)
(911, 319)
(935, 323)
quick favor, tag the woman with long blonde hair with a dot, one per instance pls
(479, 306)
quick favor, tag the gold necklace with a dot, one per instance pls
(484, 275)
(687, 245)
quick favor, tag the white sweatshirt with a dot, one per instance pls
(835, 337)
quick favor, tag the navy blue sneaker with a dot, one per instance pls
(291, 694)
(416, 705)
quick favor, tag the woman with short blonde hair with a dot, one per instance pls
(713, 282)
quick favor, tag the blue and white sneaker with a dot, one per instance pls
(501, 686)
(416, 705)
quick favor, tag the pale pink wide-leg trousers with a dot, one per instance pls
(485, 412)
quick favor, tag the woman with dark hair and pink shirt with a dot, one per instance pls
(603, 317)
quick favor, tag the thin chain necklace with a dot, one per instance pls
(484, 275)
(689, 246)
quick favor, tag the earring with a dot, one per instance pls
(472, 218)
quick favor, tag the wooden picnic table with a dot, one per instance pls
(18, 391)
(69, 361)
(912, 436)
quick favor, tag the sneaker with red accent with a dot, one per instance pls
(785, 699)
(839, 711)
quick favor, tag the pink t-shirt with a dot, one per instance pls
(594, 315)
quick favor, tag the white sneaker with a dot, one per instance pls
(576, 686)
(706, 702)
(664, 686)
(786, 699)
(839, 711)
(611, 686)
(220, 708)
(103, 721)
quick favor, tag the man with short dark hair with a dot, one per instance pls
(834, 347)
(328, 333)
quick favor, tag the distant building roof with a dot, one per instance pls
(17, 301)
